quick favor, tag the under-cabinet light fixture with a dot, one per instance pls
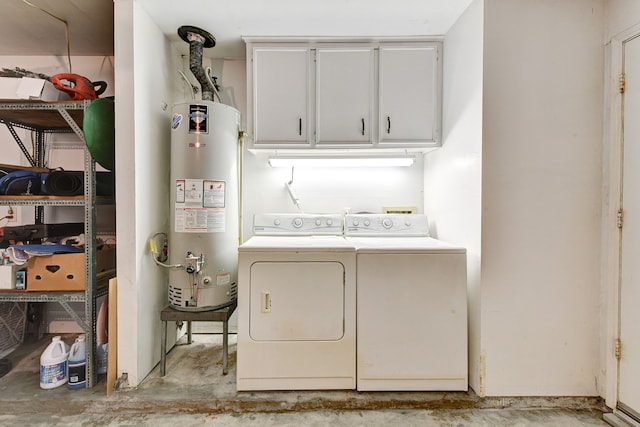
(340, 161)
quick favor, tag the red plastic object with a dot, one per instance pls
(76, 86)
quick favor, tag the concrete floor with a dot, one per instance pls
(194, 392)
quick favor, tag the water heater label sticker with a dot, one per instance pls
(223, 279)
(199, 206)
(213, 194)
(199, 220)
(193, 192)
(215, 220)
(195, 220)
(180, 190)
(198, 118)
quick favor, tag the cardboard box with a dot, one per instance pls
(65, 272)
(9, 277)
(14, 88)
(9, 87)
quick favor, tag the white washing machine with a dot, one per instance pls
(296, 305)
(411, 305)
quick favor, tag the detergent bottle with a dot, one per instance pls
(53, 364)
(77, 364)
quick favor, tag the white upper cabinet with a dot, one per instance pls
(281, 90)
(409, 94)
(343, 93)
(344, 96)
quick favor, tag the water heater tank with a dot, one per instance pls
(204, 229)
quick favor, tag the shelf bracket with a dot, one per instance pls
(75, 316)
(72, 123)
(20, 144)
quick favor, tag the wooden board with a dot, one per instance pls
(112, 358)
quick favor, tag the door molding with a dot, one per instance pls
(612, 193)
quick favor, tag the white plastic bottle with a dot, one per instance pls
(53, 364)
(77, 363)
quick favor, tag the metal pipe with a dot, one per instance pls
(198, 39)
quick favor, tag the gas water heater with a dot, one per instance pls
(204, 229)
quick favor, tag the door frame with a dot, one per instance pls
(612, 194)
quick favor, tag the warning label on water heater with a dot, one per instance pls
(199, 206)
(198, 118)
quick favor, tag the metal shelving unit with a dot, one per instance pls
(60, 117)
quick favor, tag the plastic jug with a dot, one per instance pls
(53, 364)
(77, 364)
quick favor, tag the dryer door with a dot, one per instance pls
(296, 301)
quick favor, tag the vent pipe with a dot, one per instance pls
(198, 39)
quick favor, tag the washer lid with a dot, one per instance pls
(388, 244)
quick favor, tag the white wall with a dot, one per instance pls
(147, 78)
(453, 174)
(621, 15)
(541, 159)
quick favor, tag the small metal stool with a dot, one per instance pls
(220, 315)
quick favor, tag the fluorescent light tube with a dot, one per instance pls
(337, 161)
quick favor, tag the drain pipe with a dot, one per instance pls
(198, 39)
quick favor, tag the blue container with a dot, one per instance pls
(76, 365)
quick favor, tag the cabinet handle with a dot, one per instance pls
(388, 124)
(362, 126)
(300, 126)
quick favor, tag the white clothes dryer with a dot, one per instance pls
(296, 305)
(411, 305)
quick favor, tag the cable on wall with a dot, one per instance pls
(66, 28)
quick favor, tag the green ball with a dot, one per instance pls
(99, 132)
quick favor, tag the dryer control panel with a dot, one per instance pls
(273, 224)
(386, 224)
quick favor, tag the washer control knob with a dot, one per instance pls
(407, 223)
(318, 222)
(276, 221)
(356, 222)
(329, 221)
(297, 222)
(387, 223)
(367, 223)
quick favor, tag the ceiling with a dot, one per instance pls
(34, 32)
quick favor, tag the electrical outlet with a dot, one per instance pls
(12, 214)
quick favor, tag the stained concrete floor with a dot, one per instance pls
(194, 392)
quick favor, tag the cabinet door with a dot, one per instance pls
(344, 95)
(409, 95)
(281, 95)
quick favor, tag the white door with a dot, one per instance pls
(344, 96)
(296, 301)
(629, 386)
(408, 94)
(281, 95)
